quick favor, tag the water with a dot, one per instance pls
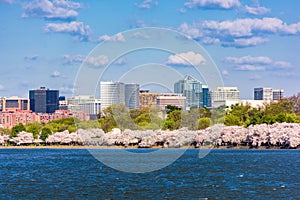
(223, 174)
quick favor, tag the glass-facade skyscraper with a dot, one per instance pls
(197, 95)
(44, 100)
(132, 95)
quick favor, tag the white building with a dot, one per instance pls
(87, 104)
(268, 94)
(132, 95)
(111, 93)
(252, 103)
(221, 94)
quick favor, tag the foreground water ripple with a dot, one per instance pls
(222, 174)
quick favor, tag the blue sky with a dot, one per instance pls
(253, 43)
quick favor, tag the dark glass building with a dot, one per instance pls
(206, 96)
(44, 100)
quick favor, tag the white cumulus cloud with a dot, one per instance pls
(248, 60)
(240, 33)
(221, 4)
(71, 59)
(147, 4)
(75, 28)
(248, 42)
(97, 61)
(250, 68)
(282, 64)
(191, 30)
(115, 38)
(55, 9)
(257, 10)
(250, 63)
(188, 58)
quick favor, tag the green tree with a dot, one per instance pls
(217, 116)
(143, 119)
(173, 120)
(17, 129)
(34, 130)
(88, 124)
(232, 120)
(276, 108)
(134, 113)
(203, 123)
(45, 133)
(107, 121)
(255, 116)
(59, 125)
(5, 131)
(204, 112)
(190, 118)
(268, 119)
(170, 108)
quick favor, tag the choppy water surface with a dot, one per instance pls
(222, 174)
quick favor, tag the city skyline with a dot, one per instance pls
(253, 43)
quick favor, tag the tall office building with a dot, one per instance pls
(268, 94)
(15, 103)
(220, 95)
(191, 88)
(132, 98)
(111, 93)
(44, 100)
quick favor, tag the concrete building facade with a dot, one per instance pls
(15, 103)
(164, 100)
(221, 94)
(268, 94)
(148, 99)
(87, 104)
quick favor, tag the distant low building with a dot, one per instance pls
(10, 119)
(15, 103)
(268, 94)
(88, 104)
(148, 99)
(63, 103)
(223, 94)
(252, 103)
(178, 100)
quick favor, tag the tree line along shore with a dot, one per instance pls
(274, 126)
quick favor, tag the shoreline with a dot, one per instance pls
(136, 147)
